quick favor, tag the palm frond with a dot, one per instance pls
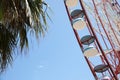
(17, 17)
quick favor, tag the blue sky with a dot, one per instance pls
(57, 56)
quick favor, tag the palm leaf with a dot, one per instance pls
(17, 17)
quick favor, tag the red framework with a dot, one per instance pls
(105, 27)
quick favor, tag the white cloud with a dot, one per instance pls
(40, 66)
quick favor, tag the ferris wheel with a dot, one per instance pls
(96, 25)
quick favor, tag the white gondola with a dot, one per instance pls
(79, 24)
(78, 20)
(90, 52)
(71, 3)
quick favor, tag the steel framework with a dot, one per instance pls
(96, 25)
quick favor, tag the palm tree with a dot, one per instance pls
(17, 17)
